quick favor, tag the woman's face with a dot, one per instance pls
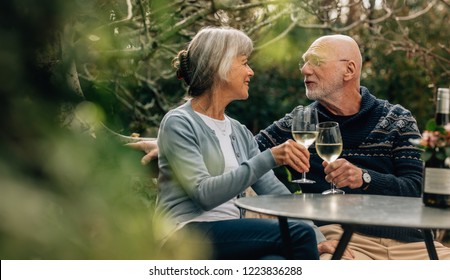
(239, 78)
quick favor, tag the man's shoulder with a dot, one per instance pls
(397, 118)
(396, 109)
(389, 108)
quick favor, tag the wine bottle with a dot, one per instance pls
(442, 116)
(436, 188)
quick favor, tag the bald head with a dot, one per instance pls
(337, 47)
(332, 72)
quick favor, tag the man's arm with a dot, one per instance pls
(275, 134)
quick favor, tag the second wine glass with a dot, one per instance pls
(329, 147)
(304, 122)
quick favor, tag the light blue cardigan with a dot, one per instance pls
(191, 166)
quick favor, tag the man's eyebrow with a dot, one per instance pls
(309, 56)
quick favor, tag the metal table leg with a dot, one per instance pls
(285, 236)
(428, 235)
(343, 242)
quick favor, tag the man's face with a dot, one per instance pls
(322, 70)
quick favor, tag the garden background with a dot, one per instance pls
(74, 73)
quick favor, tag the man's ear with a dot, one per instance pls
(350, 71)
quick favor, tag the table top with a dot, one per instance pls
(358, 209)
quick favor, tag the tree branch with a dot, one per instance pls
(418, 14)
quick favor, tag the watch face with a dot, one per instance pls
(366, 177)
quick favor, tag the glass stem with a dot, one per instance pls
(304, 175)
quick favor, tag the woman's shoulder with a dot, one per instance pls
(181, 111)
(239, 127)
(177, 119)
(234, 122)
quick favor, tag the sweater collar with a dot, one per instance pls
(368, 102)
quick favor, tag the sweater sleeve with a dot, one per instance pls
(406, 176)
(195, 165)
(275, 134)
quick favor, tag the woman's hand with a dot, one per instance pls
(149, 147)
(293, 154)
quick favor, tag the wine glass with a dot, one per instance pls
(329, 147)
(304, 122)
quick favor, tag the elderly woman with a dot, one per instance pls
(207, 159)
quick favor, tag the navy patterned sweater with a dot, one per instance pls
(376, 139)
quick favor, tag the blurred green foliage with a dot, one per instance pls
(65, 194)
(123, 53)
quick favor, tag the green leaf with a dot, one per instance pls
(289, 174)
(431, 125)
(426, 155)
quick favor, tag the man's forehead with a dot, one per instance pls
(318, 48)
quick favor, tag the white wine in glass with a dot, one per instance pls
(329, 147)
(329, 152)
(304, 122)
(305, 138)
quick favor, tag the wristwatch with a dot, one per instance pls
(366, 179)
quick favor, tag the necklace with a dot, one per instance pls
(201, 107)
(221, 126)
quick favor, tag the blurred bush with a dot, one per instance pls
(67, 192)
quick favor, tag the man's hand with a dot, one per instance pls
(343, 174)
(149, 147)
(329, 247)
